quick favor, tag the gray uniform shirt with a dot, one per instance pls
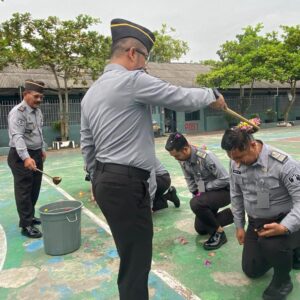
(25, 129)
(204, 166)
(267, 188)
(116, 122)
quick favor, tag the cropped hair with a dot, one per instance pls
(176, 141)
(235, 138)
(124, 44)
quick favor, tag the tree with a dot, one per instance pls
(67, 48)
(287, 67)
(167, 48)
(242, 62)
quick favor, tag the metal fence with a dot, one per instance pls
(258, 105)
(49, 107)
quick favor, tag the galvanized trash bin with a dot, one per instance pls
(61, 225)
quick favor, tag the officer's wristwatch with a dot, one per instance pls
(217, 94)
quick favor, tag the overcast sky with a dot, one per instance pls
(204, 24)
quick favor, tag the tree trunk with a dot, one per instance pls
(290, 103)
(66, 107)
(61, 104)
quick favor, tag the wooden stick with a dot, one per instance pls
(236, 115)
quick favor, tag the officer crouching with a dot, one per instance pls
(208, 181)
(265, 183)
(26, 154)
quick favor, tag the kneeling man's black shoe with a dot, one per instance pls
(215, 241)
(31, 232)
(296, 259)
(278, 291)
(173, 196)
(36, 221)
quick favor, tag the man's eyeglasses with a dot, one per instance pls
(146, 56)
(142, 53)
(35, 96)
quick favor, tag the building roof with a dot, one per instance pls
(181, 74)
(13, 77)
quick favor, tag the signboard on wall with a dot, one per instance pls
(191, 126)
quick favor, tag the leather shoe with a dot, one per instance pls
(278, 291)
(296, 259)
(36, 221)
(215, 241)
(31, 232)
(173, 196)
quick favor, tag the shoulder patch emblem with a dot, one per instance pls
(279, 156)
(21, 122)
(295, 178)
(201, 154)
(22, 108)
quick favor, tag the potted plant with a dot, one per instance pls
(56, 126)
(270, 115)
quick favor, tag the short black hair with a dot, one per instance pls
(176, 141)
(235, 138)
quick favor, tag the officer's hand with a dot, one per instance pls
(219, 104)
(272, 229)
(30, 164)
(240, 235)
(44, 155)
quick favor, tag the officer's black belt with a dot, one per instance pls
(123, 170)
(260, 222)
(29, 150)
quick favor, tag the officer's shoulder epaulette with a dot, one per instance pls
(201, 154)
(279, 156)
(21, 108)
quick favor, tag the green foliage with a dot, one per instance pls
(166, 47)
(56, 126)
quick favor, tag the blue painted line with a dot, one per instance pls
(112, 253)
(5, 203)
(34, 246)
(64, 291)
(55, 260)
(103, 271)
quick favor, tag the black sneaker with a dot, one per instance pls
(278, 291)
(215, 241)
(173, 196)
(36, 221)
(31, 232)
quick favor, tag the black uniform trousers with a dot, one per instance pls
(163, 182)
(123, 196)
(206, 207)
(263, 253)
(27, 184)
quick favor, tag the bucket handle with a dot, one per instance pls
(72, 221)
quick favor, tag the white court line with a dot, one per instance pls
(3, 247)
(173, 283)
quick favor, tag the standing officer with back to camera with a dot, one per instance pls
(265, 183)
(208, 181)
(27, 152)
(118, 146)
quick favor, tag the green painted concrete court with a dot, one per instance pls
(180, 270)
